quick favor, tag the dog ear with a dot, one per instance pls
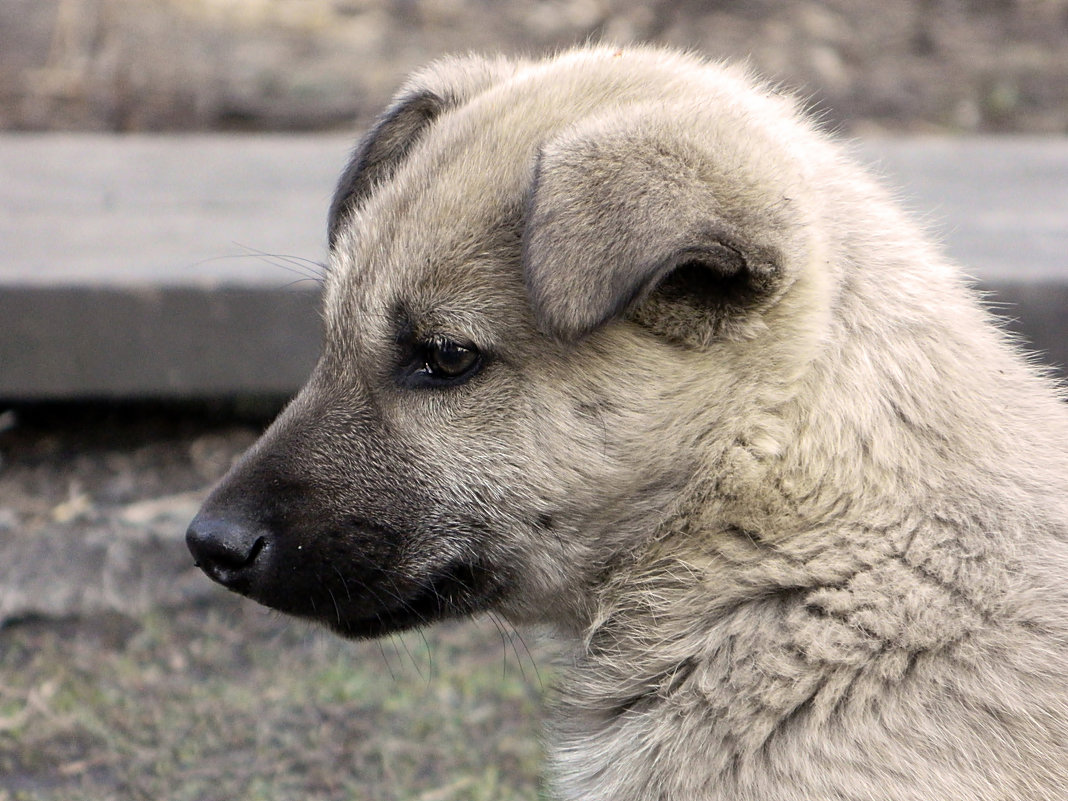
(679, 233)
(380, 151)
(440, 86)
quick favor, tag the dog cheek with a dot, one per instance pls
(536, 525)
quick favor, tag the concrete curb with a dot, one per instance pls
(170, 267)
(100, 342)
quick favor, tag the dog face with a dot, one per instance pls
(553, 288)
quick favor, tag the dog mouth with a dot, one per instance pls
(355, 578)
(458, 589)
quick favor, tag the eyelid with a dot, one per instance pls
(444, 339)
(415, 372)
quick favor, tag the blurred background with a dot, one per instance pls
(311, 65)
(165, 170)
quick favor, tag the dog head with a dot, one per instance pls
(553, 286)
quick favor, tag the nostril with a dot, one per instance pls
(224, 548)
(257, 546)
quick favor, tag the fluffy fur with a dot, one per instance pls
(736, 427)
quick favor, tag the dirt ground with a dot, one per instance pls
(124, 674)
(137, 65)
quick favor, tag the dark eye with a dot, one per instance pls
(449, 361)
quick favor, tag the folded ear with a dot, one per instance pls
(445, 84)
(380, 151)
(682, 228)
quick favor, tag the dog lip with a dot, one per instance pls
(456, 590)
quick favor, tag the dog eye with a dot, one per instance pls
(447, 360)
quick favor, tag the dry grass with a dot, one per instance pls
(228, 701)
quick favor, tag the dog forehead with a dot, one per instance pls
(442, 238)
(448, 223)
(446, 227)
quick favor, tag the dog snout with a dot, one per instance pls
(230, 551)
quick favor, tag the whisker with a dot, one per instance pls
(292, 284)
(413, 660)
(309, 267)
(429, 657)
(337, 609)
(316, 273)
(504, 645)
(344, 584)
(530, 657)
(382, 650)
(512, 636)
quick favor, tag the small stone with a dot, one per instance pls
(9, 521)
(77, 505)
(179, 508)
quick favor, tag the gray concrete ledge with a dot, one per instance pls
(91, 342)
(182, 266)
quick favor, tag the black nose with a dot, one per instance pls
(229, 551)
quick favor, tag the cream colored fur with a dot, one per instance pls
(804, 512)
(856, 586)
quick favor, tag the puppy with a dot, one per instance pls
(619, 342)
